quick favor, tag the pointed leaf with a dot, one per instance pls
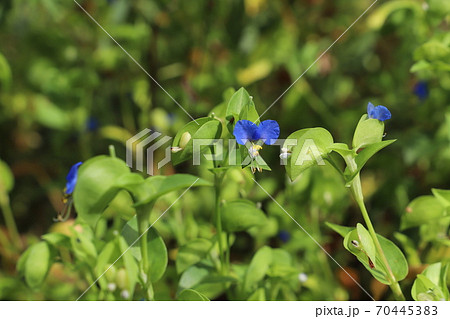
(239, 215)
(443, 195)
(341, 230)
(258, 268)
(422, 210)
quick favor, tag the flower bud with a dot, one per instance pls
(122, 278)
(185, 138)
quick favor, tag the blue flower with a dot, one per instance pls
(92, 124)
(284, 236)
(379, 112)
(72, 179)
(266, 132)
(421, 90)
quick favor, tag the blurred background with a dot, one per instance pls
(67, 91)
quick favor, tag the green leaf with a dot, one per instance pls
(436, 284)
(394, 255)
(377, 19)
(131, 265)
(191, 253)
(240, 107)
(342, 149)
(156, 186)
(363, 156)
(193, 276)
(238, 101)
(422, 210)
(368, 131)
(424, 289)
(6, 178)
(431, 285)
(157, 251)
(258, 295)
(249, 113)
(432, 50)
(48, 114)
(107, 256)
(37, 264)
(191, 295)
(5, 73)
(97, 185)
(258, 268)
(239, 215)
(443, 195)
(313, 144)
(57, 240)
(366, 242)
(208, 128)
(20, 266)
(409, 247)
(203, 278)
(341, 230)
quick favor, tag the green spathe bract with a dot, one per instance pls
(312, 145)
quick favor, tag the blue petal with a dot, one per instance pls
(244, 131)
(284, 235)
(383, 113)
(370, 110)
(421, 90)
(268, 131)
(72, 179)
(378, 112)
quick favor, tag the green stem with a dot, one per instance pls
(143, 217)
(112, 151)
(322, 258)
(9, 219)
(227, 253)
(358, 195)
(142, 227)
(150, 292)
(218, 215)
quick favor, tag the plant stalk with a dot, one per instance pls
(9, 220)
(143, 217)
(358, 196)
(218, 216)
